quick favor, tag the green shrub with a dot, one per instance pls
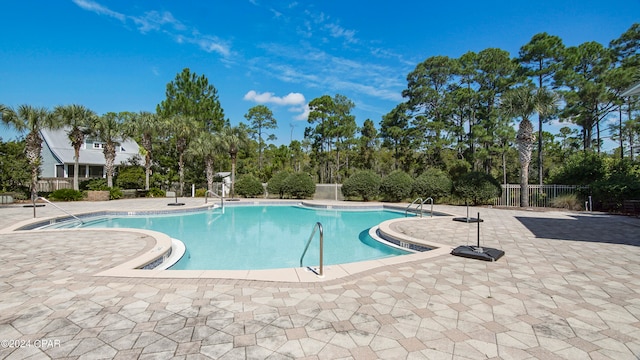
(364, 184)
(396, 186)
(276, 183)
(477, 187)
(115, 193)
(249, 186)
(94, 184)
(155, 192)
(130, 177)
(582, 168)
(622, 183)
(200, 192)
(433, 183)
(66, 195)
(299, 185)
(570, 202)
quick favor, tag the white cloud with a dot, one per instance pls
(338, 31)
(295, 101)
(163, 22)
(305, 112)
(93, 6)
(153, 20)
(270, 98)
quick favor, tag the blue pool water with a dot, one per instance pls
(265, 237)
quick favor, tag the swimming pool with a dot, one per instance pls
(264, 237)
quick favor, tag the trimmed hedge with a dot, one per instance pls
(66, 195)
(477, 187)
(433, 183)
(364, 184)
(249, 186)
(299, 185)
(130, 177)
(396, 186)
(276, 183)
(155, 193)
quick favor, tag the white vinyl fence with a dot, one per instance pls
(539, 195)
(52, 184)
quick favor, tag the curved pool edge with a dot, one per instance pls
(132, 268)
(288, 275)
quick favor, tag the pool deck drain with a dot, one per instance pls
(566, 288)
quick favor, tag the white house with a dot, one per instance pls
(58, 155)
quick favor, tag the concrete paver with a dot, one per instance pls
(566, 288)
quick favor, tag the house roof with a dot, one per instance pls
(633, 90)
(58, 142)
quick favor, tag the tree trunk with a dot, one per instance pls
(109, 159)
(147, 169)
(181, 171)
(540, 170)
(524, 185)
(76, 168)
(209, 170)
(32, 149)
(525, 141)
(233, 175)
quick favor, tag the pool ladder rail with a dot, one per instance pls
(206, 197)
(55, 206)
(316, 227)
(419, 203)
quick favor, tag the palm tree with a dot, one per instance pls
(183, 128)
(147, 125)
(232, 139)
(79, 119)
(109, 129)
(206, 146)
(31, 119)
(521, 103)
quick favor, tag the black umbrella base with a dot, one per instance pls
(468, 219)
(477, 252)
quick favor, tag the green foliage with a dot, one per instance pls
(433, 183)
(94, 184)
(155, 193)
(299, 185)
(621, 182)
(200, 192)
(249, 186)
(570, 202)
(66, 195)
(115, 193)
(582, 168)
(192, 95)
(14, 168)
(396, 186)
(364, 184)
(130, 177)
(477, 187)
(276, 183)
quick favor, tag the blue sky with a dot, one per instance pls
(119, 55)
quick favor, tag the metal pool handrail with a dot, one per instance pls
(431, 201)
(317, 226)
(212, 193)
(57, 207)
(418, 201)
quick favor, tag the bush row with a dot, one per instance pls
(474, 187)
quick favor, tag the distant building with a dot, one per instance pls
(633, 90)
(58, 155)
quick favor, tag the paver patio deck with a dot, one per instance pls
(567, 288)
